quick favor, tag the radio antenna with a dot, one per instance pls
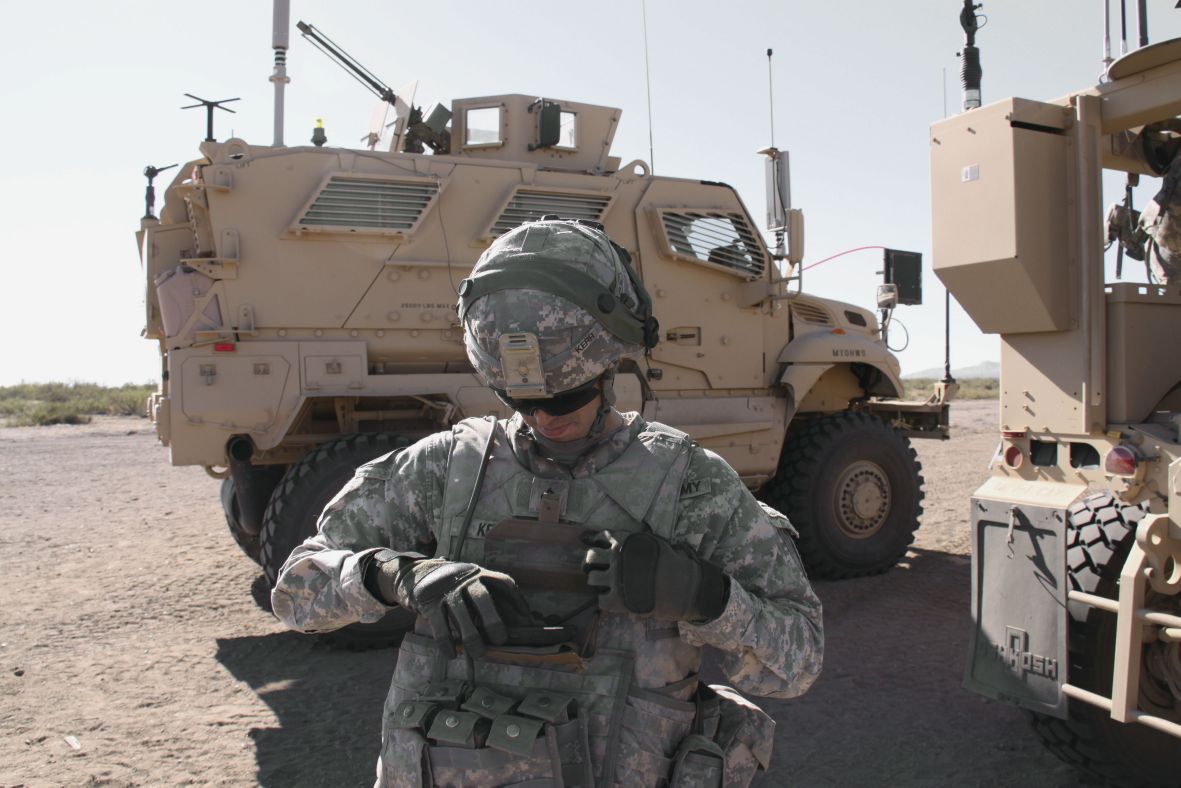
(648, 84)
(209, 106)
(970, 71)
(280, 39)
(771, 96)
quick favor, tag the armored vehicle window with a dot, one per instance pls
(1083, 455)
(482, 126)
(568, 136)
(1043, 453)
(723, 240)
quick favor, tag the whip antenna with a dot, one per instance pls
(648, 84)
(771, 96)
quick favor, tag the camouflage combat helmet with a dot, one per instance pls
(553, 305)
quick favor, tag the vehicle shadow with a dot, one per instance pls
(889, 707)
(328, 703)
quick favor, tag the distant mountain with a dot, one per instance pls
(985, 369)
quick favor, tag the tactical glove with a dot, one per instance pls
(462, 602)
(642, 574)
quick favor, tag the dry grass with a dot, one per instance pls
(970, 388)
(39, 404)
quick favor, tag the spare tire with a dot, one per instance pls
(1099, 533)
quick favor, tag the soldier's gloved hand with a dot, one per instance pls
(641, 573)
(463, 602)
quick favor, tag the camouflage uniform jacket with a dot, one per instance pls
(769, 633)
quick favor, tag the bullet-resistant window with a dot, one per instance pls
(481, 126)
(717, 238)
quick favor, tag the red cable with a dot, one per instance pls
(840, 254)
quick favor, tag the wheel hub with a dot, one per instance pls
(1160, 685)
(862, 499)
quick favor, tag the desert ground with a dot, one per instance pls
(134, 650)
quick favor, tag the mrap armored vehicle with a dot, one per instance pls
(304, 302)
(1076, 534)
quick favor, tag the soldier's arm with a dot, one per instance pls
(391, 502)
(770, 633)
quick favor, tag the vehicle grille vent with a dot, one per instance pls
(811, 313)
(368, 205)
(528, 205)
(719, 238)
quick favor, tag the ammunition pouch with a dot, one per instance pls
(561, 720)
(699, 762)
(477, 735)
(744, 732)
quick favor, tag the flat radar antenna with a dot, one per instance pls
(209, 106)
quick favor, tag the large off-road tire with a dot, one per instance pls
(250, 543)
(853, 488)
(1100, 532)
(295, 506)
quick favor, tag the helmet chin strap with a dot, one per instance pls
(567, 452)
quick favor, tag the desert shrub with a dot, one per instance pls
(970, 388)
(38, 404)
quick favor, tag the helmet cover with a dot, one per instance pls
(519, 309)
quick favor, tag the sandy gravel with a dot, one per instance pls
(132, 650)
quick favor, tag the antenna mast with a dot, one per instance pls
(280, 27)
(209, 106)
(648, 84)
(970, 71)
(778, 182)
(771, 96)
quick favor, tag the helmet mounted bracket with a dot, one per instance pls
(520, 363)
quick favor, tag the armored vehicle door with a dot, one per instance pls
(698, 249)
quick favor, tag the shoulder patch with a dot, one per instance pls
(691, 488)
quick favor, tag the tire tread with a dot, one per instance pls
(794, 482)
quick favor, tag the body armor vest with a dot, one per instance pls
(622, 709)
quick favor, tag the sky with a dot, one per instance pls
(91, 95)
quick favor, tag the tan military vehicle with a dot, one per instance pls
(304, 302)
(1076, 534)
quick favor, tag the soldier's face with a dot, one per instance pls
(568, 427)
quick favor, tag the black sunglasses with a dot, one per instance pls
(557, 405)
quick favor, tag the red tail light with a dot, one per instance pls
(1013, 457)
(1121, 461)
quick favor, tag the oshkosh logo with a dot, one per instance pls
(694, 487)
(1016, 654)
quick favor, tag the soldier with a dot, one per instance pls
(567, 565)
